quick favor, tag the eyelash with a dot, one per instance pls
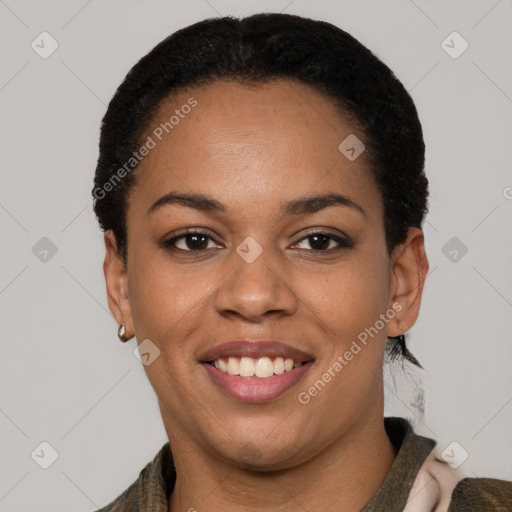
(344, 243)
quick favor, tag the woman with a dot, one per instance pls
(261, 188)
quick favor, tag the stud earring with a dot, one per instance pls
(121, 333)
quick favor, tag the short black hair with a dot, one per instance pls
(257, 49)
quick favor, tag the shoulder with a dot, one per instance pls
(151, 489)
(128, 501)
(439, 487)
(472, 494)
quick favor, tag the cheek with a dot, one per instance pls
(350, 306)
(167, 308)
(165, 302)
(352, 298)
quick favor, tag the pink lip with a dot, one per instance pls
(256, 389)
(248, 348)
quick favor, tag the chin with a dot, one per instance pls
(262, 455)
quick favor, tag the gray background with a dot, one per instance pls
(67, 380)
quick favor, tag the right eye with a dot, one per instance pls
(190, 241)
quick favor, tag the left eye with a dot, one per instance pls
(322, 241)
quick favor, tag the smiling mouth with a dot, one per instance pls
(262, 367)
(255, 370)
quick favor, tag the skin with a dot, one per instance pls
(252, 149)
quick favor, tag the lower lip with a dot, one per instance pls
(256, 389)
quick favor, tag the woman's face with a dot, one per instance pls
(257, 273)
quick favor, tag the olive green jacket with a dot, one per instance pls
(419, 481)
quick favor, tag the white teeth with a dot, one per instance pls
(249, 367)
(264, 367)
(288, 365)
(222, 365)
(233, 366)
(279, 366)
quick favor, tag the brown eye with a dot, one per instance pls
(322, 242)
(190, 242)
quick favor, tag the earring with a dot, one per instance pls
(121, 333)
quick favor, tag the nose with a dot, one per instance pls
(256, 289)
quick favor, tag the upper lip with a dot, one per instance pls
(256, 349)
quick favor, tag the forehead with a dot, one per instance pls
(252, 142)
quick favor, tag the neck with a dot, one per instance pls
(344, 476)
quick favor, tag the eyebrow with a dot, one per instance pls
(302, 206)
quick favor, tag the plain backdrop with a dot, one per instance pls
(66, 380)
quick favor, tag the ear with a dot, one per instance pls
(409, 269)
(116, 280)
